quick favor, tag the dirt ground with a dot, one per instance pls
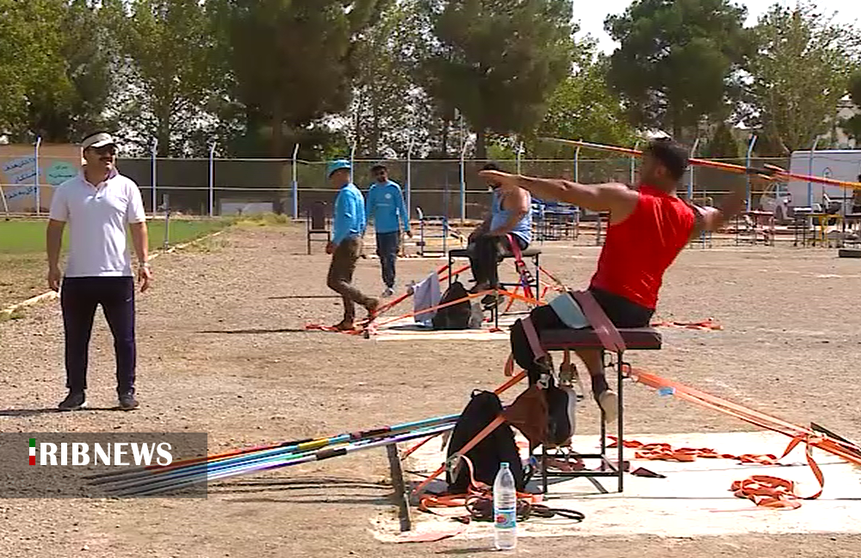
(222, 350)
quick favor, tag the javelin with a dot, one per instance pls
(769, 170)
(229, 459)
(275, 462)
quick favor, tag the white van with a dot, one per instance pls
(840, 164)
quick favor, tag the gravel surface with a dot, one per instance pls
(222, 350)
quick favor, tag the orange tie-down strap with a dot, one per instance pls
(703, 325)
(321, 327)
(762, 490)
(659, 451)
(478, 502)
(362, 325)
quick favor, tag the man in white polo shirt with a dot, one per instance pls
(97, 205)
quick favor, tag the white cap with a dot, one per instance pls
(98, 140)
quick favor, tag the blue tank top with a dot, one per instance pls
(499, 216)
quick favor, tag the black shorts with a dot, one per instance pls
(622, 312)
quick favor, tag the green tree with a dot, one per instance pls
(169, 70)
(292, 62)
(677, 60)
(31, 39)
(389, 109)
(852, 125)
(583, 107)
(800, 71)
(70, 103)
(498, 61)
(722, 144)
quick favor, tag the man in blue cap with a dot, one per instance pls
(386, 206)
(346, 244)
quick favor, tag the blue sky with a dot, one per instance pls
(591, 14)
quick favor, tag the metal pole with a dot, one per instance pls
(634, 164)
(295, 185)
(747, 163)
(810, 172)
(519, 152)
(154, 153)
(691, 172)
(577, 164)
(37, 192)
(166, 198)
(212, 179)
(463, 183)
(352, 160)
(409, 179)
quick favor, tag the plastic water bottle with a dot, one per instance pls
(504, 509)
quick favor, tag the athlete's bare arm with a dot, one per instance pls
(618, 199)
(712, 219)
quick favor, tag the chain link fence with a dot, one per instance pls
(450, 188)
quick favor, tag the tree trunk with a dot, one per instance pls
(163, 134)
(481, 144)
(445, 129)
(277, 129)
(374, 138)
(677, 129)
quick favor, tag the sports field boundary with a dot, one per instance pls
(52, 295)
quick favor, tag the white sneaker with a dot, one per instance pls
(609, 403)
(388, 292)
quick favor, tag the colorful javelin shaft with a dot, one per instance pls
(206, 468)
(738, 169)
(278, 462)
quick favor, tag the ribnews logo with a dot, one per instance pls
(117, 454)
(71, 464)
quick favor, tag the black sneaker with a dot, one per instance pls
(74, 401)
(128, 401)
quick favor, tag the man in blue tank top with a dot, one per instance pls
(511, 213)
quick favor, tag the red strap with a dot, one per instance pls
(604, 328)
(520, 265)
(538, 351)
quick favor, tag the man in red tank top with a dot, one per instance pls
(649, 227)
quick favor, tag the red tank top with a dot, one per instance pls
(639, 250)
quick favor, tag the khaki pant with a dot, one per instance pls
(340, 277)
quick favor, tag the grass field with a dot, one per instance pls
(28, 237)
(22, 251)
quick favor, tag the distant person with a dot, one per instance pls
(387, 209)
(856, 199)
(346, 245)
(510, 213)
(97, 204)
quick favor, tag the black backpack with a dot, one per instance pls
(496, 448)
(457, 315)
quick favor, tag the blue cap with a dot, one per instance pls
(337, 165)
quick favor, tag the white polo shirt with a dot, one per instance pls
(97, 217)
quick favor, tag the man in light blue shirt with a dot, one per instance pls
(346, 244)
(387, 208)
